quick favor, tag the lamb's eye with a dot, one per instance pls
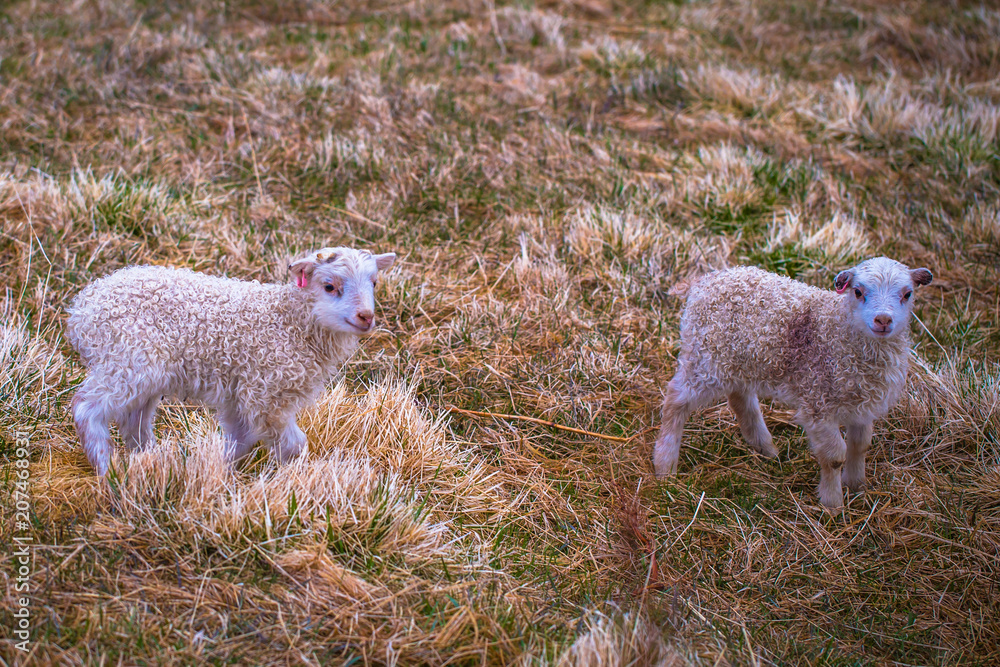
(906, 297)
(857, 293)
(330, 288)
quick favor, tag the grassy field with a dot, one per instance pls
(547, 173)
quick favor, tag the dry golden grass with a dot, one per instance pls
(551, 174)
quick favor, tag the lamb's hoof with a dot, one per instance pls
(665, 471)
(765, 449)
(832, 501)
(856, 487)
(666, 453)
(854, 482)
(288, 454)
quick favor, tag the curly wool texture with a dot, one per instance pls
(152, 330)
(747, 329)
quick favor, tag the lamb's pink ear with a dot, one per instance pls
(383, 262)
(843, 280)
(921, 276)
(303, 270)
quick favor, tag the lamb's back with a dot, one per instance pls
(758, 326)
(152, 314)
(748, 305)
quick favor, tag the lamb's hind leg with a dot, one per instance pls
(678, 405)
(751, 421)
(91, 416)
(137, 426)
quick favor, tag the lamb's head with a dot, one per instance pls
(879, 294)
(342, 281)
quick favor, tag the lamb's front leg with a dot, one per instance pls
(240, 436)
(291, 442)
(859, 439)
(830, 450)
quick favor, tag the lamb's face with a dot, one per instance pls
(879, 293)
(343, 283)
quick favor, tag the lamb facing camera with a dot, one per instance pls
(840, 359)
(258, 353)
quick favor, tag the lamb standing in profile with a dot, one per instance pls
(258, 353)
(839, 359)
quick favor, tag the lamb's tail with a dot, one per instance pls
(78, 321)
